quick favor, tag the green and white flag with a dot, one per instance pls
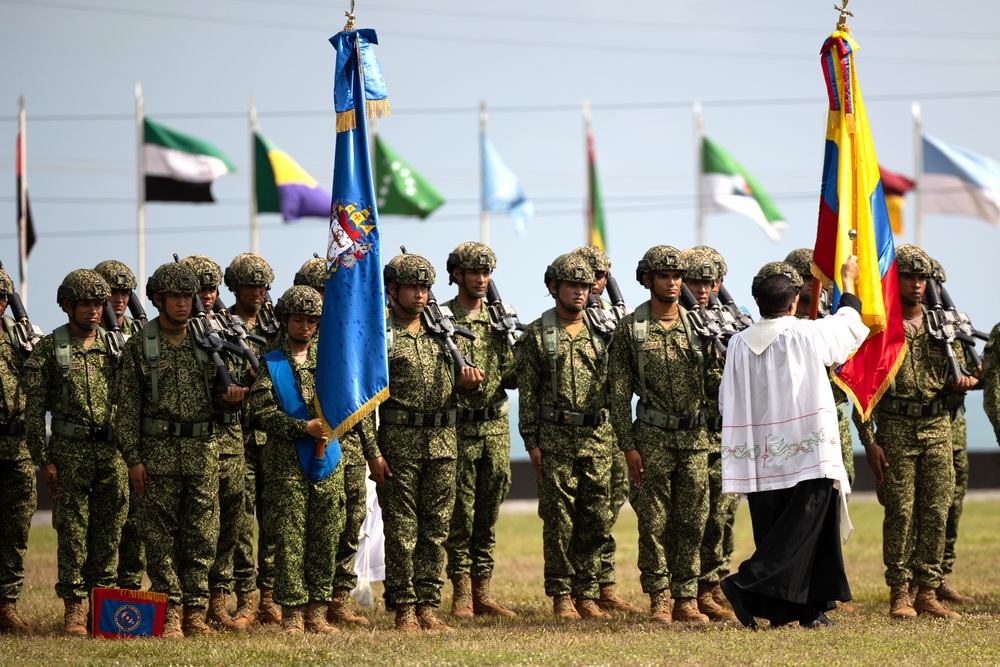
(179, 167)
(401, 190)
(727, 186)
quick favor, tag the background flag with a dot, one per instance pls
(123, 613)
(352, 370)
(730, 187)
(502, 191)
(959, 182)
(851, 198)
(401, 190)
(895, 186)
(595, 205)
(29, 225)
(283, 186)
(179, 167)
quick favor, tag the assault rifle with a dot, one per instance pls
(136, 310)
(706, 324)
(236, 332)
(965, 332)
(602, 321)
(268, 320)
(503, 317)
(440, 321)
(941, 329)
(26, 334)
(735, 317)
(116, 337)
(618, 309)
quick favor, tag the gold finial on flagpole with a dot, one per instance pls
(350, 18)
(842, 21)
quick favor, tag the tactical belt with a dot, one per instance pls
(490, 412)
(714, 423)
(410, 418)
(557, 416)
(667, 421)
(227, 418)
(162, 428)
(842, 410)
(65, 429)
(900, 406)
(15, 427)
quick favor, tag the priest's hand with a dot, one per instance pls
(535, 455)
(877, 462)
(849, 273)
(634, 461)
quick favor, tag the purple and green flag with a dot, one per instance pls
(285, 187)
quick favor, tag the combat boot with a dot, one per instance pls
(291, 620)
(75, 617)
(10, 620)
(563, 609)
(217, 612)
(707, 606)
(608, 601)
(686, 611)
(844, 607)
(899, 602)
(315, 621)
(948, 594)
(246, 611)
(588, 609)
(193, 624)
(406, 618)
(461, 596)
(659, 607)
(482, 600)
(340, 609)
(267, 611)
(429, 620)
(927, 604)
(720, 598)
(171, 623)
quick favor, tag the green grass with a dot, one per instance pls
(866, 637)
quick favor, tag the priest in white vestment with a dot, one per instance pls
(781, 447)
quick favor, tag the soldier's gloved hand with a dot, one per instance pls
(472, 377)
(634, 461)
(380, 470)
(877, 461)
(51, 477)
(536, 462)
(137, 475)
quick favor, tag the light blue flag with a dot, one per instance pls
(352, 371)
(959, 182)
(502, 191)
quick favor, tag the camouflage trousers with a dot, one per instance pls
(306, 519)
(180, 528)
(356, 509)
(88, 514)
(416, 503)
(721, 510)
(960, 462)
(672, 507)
(619, 494)
(131, 553)
(245, 567)
(574, 502)
(847, 448)
(18, 500)
(232, 477)
(482, 482)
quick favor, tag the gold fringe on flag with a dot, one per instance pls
(349, 423)
(374, 109)
(143, 596)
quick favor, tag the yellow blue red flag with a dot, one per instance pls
(852, 199)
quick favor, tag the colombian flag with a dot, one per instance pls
(851, 198)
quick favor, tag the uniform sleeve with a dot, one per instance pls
(128, 413)
(38, 372)
(866, 430)
(714, 363)
(369, 438)
(531, 367)
(991, 380)
(267, 411)
(508, 371)
(620, 354)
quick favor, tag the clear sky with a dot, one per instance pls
(754, 66)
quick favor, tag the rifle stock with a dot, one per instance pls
(136, 310)
(503, 318)
(115, 338)
(705, 323)
(440, 321)
(26, 333)
(618, 309)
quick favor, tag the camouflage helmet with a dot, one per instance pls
(409, 269)
(599, 261)
(248, 269)
(716, 257)
(83, 285)
(660, 258)
(938, 273)
(570, 268)
(700, 265)
(116, 274)
(6, 284)
(776, 269)
(470, 255)
(312, 273)
(172, 278)
(911, 259)
(801, 259)
(208, 272)
(299, 300)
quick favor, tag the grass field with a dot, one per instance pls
(866, 637)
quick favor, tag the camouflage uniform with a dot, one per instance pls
(960, 463)
(91, 502)
(574, 495)
(352, 460)
(313, 274)
(991, 380)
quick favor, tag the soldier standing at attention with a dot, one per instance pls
(121, 281)
(562, 381)
(483, 468)
(165, 427)
(413, 461)
(17, 473)
(71, 374)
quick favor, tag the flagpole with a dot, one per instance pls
(253, 178)
(22, 194)
(918, 174)
(699, 133)
(589, 214)
(140, 173)
(484, 216)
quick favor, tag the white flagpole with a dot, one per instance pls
(253, 178)
(589, 212)
(484, 216)
(140, 178)
(699, 188)
(22, 221)
(918, 175)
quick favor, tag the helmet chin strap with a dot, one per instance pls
(907, 301)
(411, 310)
(173, 320)
(300, 341)
(663, 299)
(573, 308)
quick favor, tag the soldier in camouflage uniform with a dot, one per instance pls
(483, 467)
(991, 380)
(71, 373)
(313, 274)
(131, 555)
(249, 278)
(17, 474)
(654, 355)
(413, 461)
(562, 367)
(908, 446)
(165, 427)
(609, 600)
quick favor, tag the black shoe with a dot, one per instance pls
(817, 621)
(733, 595)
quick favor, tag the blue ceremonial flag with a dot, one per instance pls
(120, 614)
(502, 191)
(352, 371)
